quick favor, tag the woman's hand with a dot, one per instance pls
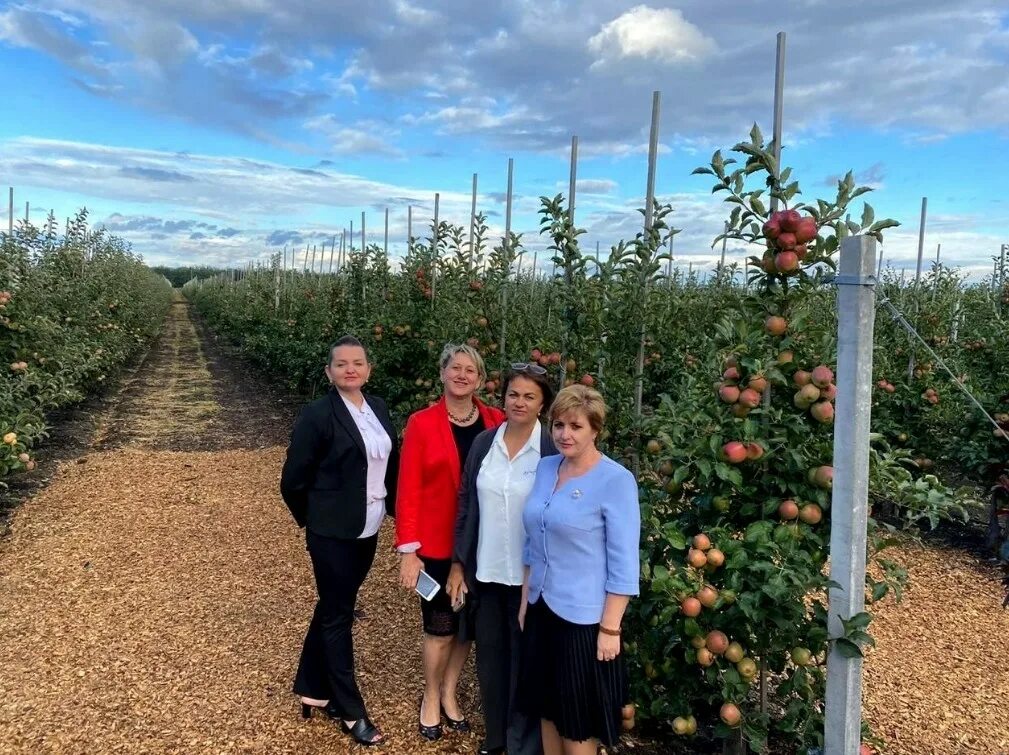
(607, 647)
(456, 584)
(409, 570)
(522, 613)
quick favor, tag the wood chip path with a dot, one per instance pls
(154, 600)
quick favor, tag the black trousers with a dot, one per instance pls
(326, 669)
(498, 648)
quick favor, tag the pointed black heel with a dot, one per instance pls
(306, 711)
(430, 733)
(460, 725)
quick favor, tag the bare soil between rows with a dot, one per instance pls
(154, 595)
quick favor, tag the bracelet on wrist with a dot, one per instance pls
(610, 632)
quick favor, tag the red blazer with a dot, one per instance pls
(427, 494)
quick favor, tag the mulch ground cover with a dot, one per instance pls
(154, 596)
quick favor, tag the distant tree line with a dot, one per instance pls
(179, 275)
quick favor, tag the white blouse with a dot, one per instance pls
(502, 486)
(378, 444)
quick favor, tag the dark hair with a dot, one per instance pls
(347, 340)
(540, 379)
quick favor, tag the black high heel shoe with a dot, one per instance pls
(328, 709)
(364, 732)
(460, 725)
(430, 733)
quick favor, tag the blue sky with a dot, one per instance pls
(216, 132)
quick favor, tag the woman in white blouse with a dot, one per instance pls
(339, 481)
(487, 567)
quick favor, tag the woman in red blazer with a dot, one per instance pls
(435, 445)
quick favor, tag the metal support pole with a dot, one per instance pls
(572, 184)
(508, 206)
(653, 153)
(434, 248)
(721, 265)
(472, 222)
(921, 240)
(505, 246)
(779, 107)
(849, 502)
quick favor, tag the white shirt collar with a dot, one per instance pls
(365, 409)
(533, 443)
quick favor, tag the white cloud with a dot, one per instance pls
(660, 34)
(595, 186)
(362, 137)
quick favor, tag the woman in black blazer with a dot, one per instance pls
(339, 481)
(487, 555)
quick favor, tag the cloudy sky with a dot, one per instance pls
(217, 132)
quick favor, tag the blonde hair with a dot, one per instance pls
(451, 349)
(580, 398)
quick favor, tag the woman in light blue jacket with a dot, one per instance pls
(583, 526)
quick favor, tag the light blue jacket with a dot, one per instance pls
(582, 541)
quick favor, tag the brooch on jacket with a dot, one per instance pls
(576, 493)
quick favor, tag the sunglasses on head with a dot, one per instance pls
(530, 367)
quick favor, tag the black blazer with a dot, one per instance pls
(467, 521)
(325, 476)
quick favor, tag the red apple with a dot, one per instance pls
(823, 477)
(811, 513)
(786, 241)
(728, 393)
(823, 411)
(805, 230)
(790, 220)
(772, 227)
(776, 325)
(734, 452)
(788, 510)
(786, 262)
(822, 376)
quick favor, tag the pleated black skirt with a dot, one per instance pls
(563, 682)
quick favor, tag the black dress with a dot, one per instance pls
(439, 618)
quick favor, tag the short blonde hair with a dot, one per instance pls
(451, 349)
(580, 398)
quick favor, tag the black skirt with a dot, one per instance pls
(563, 681)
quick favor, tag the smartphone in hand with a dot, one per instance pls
(427, 587)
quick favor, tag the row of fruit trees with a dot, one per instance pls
(732, 440)
(74, 308)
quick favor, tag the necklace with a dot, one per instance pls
(462, 420)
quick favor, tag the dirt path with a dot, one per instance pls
(154, 596)
(938, 681)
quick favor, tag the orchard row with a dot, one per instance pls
(73, 309)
